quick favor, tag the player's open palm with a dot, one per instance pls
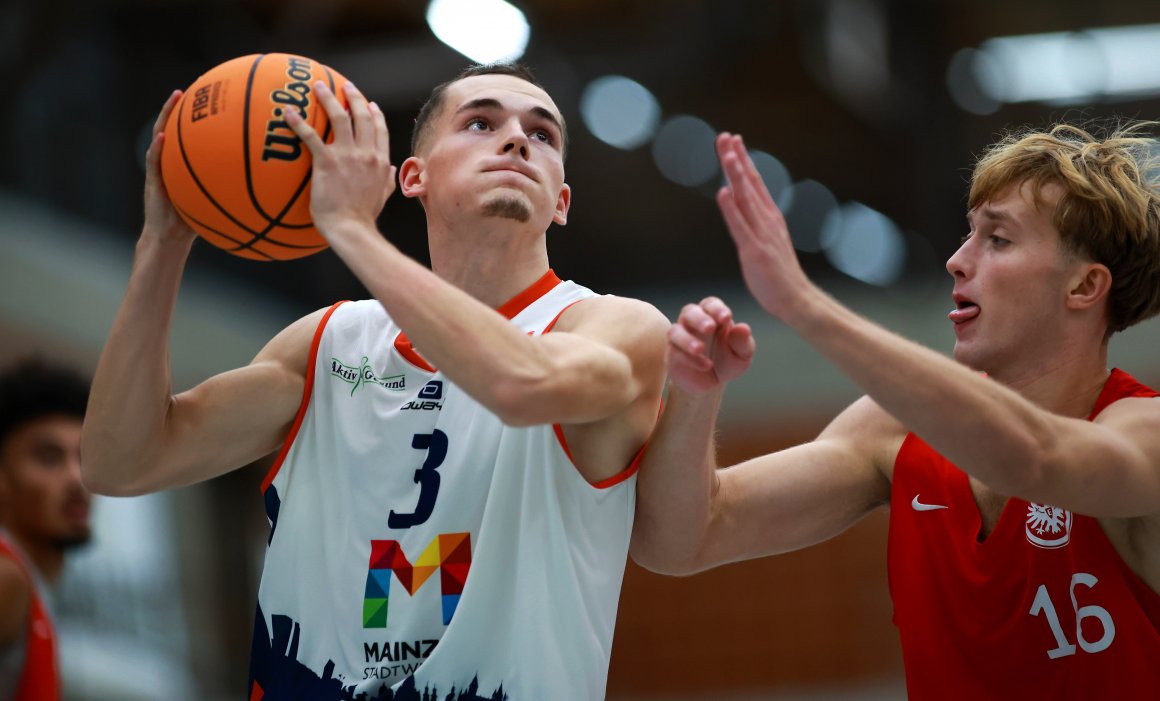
(706, 348)
(768, 260)
(352, 176)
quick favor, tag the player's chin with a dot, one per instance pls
(74, 537)
(968, 354)
(507, 204)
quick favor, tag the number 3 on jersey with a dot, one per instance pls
(1042, 603)
(435, 443)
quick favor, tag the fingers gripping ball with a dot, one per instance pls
(234, 169)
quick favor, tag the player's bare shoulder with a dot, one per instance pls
(290, 348)
(874, 430)
(632, 325)
(1133, 412)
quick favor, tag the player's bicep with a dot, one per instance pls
(239, 416)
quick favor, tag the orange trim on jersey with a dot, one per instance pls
(557, 317)
(39, 678)
(609, 481)
(310, 367)
(633, 466)
(538, 289)
(508, 309)
(403, 345)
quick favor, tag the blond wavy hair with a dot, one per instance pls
(1110, 210)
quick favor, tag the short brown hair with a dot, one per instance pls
(434, 104)
(1110, 210)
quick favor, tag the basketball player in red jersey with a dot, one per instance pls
(44, 512)
(1023, 480)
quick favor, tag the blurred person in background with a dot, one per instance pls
(44, 513)
(1023, 480)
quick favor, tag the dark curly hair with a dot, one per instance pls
(33, 387)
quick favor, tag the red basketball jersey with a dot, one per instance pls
(39, 681)
(1044, 607)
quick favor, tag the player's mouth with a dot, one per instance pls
(509, 166)
(964, 311)
(76, 511)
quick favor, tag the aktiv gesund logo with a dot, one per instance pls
(358, 375)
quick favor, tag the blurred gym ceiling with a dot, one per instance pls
(849, 93)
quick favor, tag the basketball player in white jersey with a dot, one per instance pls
(452, 503)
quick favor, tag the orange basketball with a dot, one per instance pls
(234, 169)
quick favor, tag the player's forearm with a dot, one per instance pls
(130, 394)
(986, 429)
(676, 486)
(501, 367)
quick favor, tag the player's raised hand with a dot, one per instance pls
(352, 176)
(707, 348)
(161, 219)
(768, 260)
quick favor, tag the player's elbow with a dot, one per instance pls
(657, 565)
(108, 472)
(100, 481)
(560, 396)
(668, 564)
(108, 482)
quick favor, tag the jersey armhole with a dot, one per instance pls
(619, 477)
(311, 363)
(633, 465)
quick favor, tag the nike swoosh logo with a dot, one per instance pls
(919, 506)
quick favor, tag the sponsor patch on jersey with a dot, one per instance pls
(1047, 526)
(429, 399)
(362, 374)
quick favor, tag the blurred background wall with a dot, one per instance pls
(864, 116)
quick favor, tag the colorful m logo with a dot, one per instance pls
(450, 553)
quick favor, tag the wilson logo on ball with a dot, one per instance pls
(280, 139)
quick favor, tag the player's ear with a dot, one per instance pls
(563, 202)
(411, 180)
(1088, 286)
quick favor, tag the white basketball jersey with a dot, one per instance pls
(419, 546)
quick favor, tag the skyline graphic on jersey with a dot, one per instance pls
(277, 675)
(273, 504)
(450, 553)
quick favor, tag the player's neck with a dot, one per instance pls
(493, 265)
(1067, 382)
(44, 555)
